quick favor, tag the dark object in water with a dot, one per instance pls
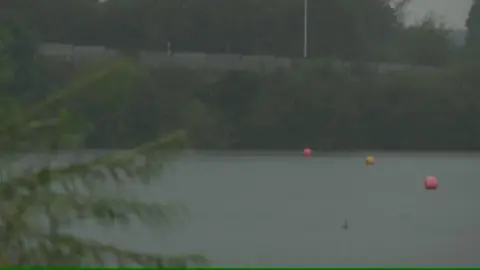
(345, 225)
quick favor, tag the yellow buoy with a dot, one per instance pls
(370, 160)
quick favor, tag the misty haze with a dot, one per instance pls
(221, 133)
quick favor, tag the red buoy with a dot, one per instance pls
(431, 183)
(307, 152)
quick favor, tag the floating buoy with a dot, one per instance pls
(307, 152)
(431, 183)
(370, 160)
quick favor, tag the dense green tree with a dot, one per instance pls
(17, 52)
(473, 25)
(471, 50)
(424, 44)
(350, 29)
(71, 21)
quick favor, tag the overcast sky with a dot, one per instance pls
(452, 12)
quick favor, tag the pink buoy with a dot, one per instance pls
(307, 152)
(431, 183)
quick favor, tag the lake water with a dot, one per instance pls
(284, 210)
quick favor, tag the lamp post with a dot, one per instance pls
(305, 28)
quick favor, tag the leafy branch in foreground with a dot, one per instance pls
(39, 205)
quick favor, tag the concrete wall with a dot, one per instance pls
(195, 60)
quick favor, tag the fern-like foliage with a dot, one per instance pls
(37, 204)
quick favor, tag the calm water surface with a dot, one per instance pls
(286, 211)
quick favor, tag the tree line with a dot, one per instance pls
(325, 105)
(347, 29)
